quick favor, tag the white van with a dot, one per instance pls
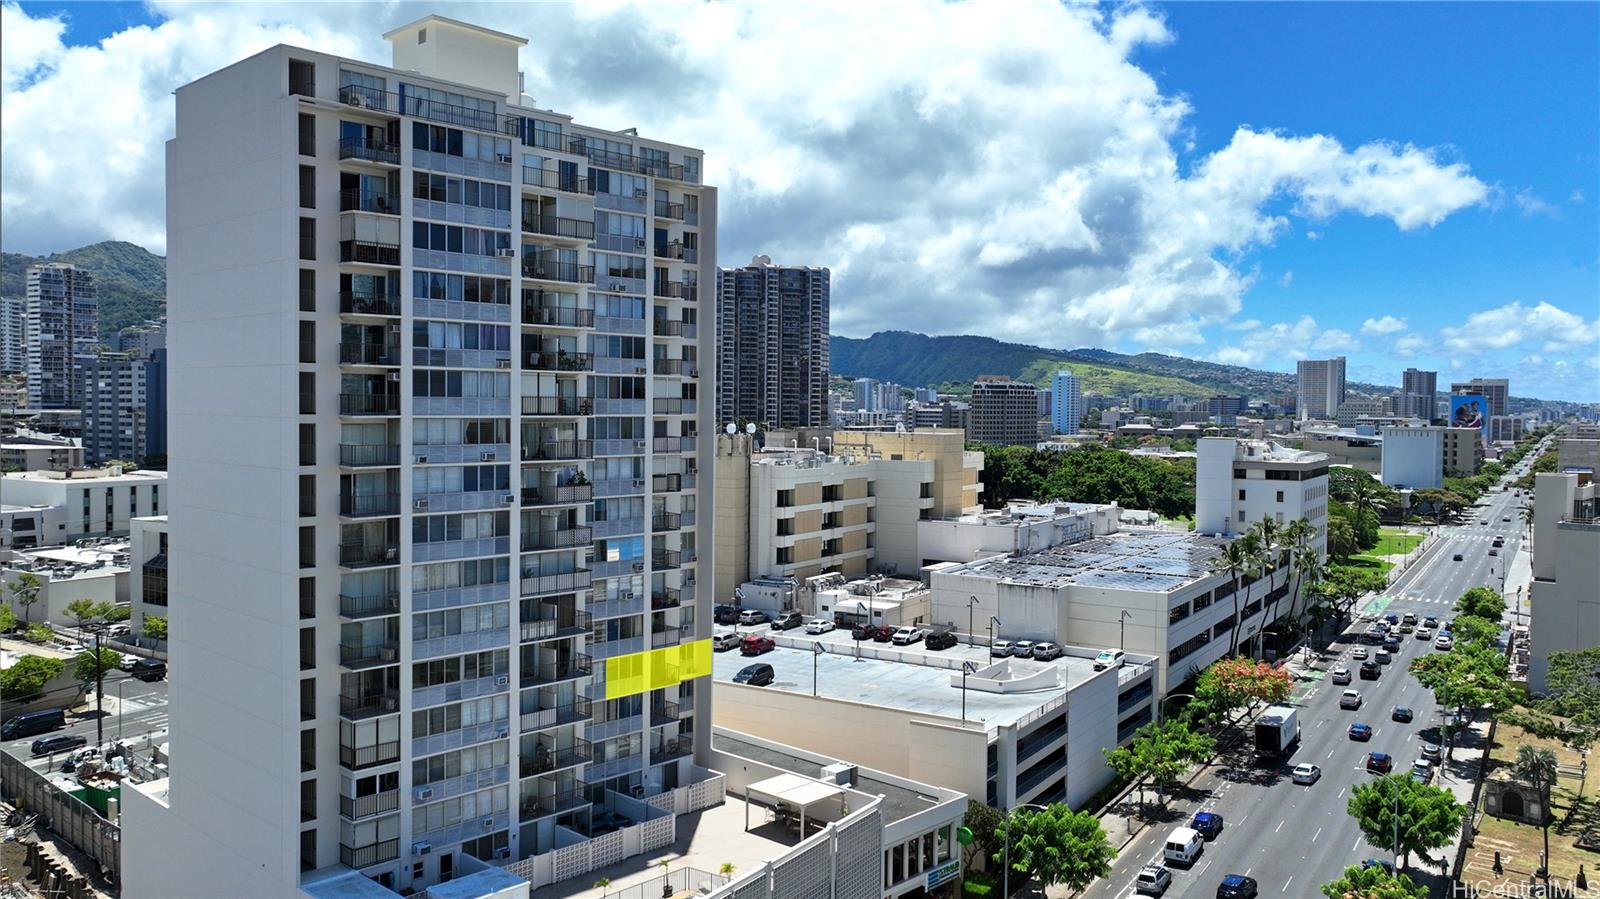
(1183, 846)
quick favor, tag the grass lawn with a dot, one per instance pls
(1392, 542)
(978, 883)
(1365, 560)
(1527, 839)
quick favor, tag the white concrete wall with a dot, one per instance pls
(100, 585)
(1413, 457)
(1566, 554)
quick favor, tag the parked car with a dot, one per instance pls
(757, 675)
(727, 615)
(1433, 752)
(1361, 732)
(908, 634)
(58, 743)
(1421, 771)
(1370, 670)
(1350, 699)
(29, 723)
(788, 621)
(1207, 824)
(1359, 653)
(1109, 658)
(943, 638)
(1401, 713)
(1046, 651)
(1408, 618)
(724, 640)
(148, 670)
(1000, 649)
(1379, 762)
(128, 661)
(1305, 774)
(1022, 649)
(1392, 618)
(1430, 621)
(864, 632)
(884, 633)
(1340, 675)
(118, 630)
(755, 645)
(1237, 886)
(1153, 880)
(753, 616)
(1391, 644)
(819, 626)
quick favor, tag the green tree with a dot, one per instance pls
(1159, 753)
(1469, 679)
(1342, 540)
(8, 620)
(1234, 683)
(1057, 845)
(118, 613)
(1482, 602)
(90, 667)
(28, 676)
(1471, 629)
(38, 633)
(85, 610)
(984, 821)
(155, 627)
(1572, 687)
(1234, 560)
(1373, 883)
(1536, 767)
(1429, 817)
(25, 592)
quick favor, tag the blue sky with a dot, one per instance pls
(1406, 184)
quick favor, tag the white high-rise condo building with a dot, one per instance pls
(438, 420)
(63, 328)
(1417, 391)
(13, 335)
(1320, 387)
(772, 322)
(1066, 402)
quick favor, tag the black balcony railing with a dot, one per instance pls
(669, 251)
(558, 226)
(544, 759)
(668, 750)
(534, 313)
(365, 455)
(369, 703)
(369, 150)
(376, 100)
(363, 504)
(369, 404)
(664, 711)
(562, 538)
(369, 655)
(366, 856)
(557, 405)
(569, 272)
(664, 366)
(665, 210)
(556, 496)
(543, 584)
(559, 360)
(551, 803)
(574, 666)
(356, 807)
(556, 181)
(360, 352)
(364, 555)
(665, 560)
(369, 252)
(666, 521)
(666, 598)
(356, 200)
(352, 303)
(666, 327)
(558, 449)
(369, 605)
(563, 621)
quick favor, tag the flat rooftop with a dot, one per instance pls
(1019, 514)
(1153, 561)
(899, 802)
(923, 689)
(88, 478)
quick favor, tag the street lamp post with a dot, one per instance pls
(972, 637)
(993, 623)
(1122, 630)
(865, 619)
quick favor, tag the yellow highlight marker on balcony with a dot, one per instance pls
(654, 669)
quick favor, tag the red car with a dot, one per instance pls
(755, 645)
(884, 634)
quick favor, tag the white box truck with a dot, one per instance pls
(1277, 730)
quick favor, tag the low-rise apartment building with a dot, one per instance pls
(94, 569)
(147, 570)
(1566, 568)
(1240, 482)
(94, 503)
(1463, 452)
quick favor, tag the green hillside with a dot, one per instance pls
(132, 281)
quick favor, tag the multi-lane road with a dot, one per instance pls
(1291, 839)
(136, 712)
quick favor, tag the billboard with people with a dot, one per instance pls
(1470, 411)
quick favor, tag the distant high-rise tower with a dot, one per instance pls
(1004, 412)
(1066, 402)
(1495, 390)
(772, 344)
(13, 335)
(125, 407)
(1417, 390)
(1321, 387)
(63, 331)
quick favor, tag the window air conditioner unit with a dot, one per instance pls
(424, 794)
(639, 482)
(502, 680)
(486, 457)
(641, 194)
(422, 460)
(502, 157)
(618, 286)
(505, 252)
(358, 101)
(502, 730)
(488, 821)
(394, 376)
(638, 369)
(391, 555)
(639, 445)
(420, 505)
(639, 242)
(508, 498)
(421, 847)
(504, 852)
(628, 595)
(502, 363)
(638, 566)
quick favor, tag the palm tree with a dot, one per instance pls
(1296, 542)
(1366, 495)
(1232, 561)
(1537, 768)
(1527, 527)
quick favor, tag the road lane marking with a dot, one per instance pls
(1330, 753)
(1315, 835)
(1356, 845)
(1279, 827)
(1247, 871)
(1204, 867)
(1341, 793)
(1286, 884)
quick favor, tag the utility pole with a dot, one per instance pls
(99, 696)
(1122, 630)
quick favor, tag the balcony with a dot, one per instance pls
(368, 704)
(670, 636)
(557, 626)
(567, 406)
(670, 251)
(557, 226)
(666, 521)
(542, 584)
(368, 455)
(560, 538)
(366, 856)
(673, 290)
(360, 352)
(667, 750)
(367, 555)
(673, 444)
(551, 450)
(545, 760)
(369, 655)
(369, 252)
(380, 201)
(665, 560)
(662, 326)
(355, 758)
(576, 666)
(665, 598)
(375, 605)
(557, 496)
(569, 713)
(548, 180)
(664, 366)
(369, 404)
(369, 151)
(664, 710)
(665, 210)
(551, 316)
(547, 804)
(369, 505)
(566, 272)
(354, 808)
(666, 483)
(374, 100)
(352, 303)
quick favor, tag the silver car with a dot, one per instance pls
(1046, 651)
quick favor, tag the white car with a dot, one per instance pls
(1306, 774)
(907, 635)
(1341, 675)
(1424, 632)
(1153, 880)
(1443, 643)
(1000, 649)
(1109, 658)
(819, 626)
(1350, 699)
(722, 640)
(1046, 651)
(1359, 653)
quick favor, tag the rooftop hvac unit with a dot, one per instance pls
(421, 847)
(502, 680)
(486, 457)
(423, 794)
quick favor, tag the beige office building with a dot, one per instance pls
(1463, 452)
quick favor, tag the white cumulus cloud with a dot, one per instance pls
(1387, 324)
(1545, 326)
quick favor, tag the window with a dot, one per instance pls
(308, 186)
(460, 288)
(308, 597)
(1280, 497)
(308, 547)
(1241, 516)
(422, 35)
(308, 393)
(1241, 494)
(308, 341)
(302, 78)
(308, 444)
(308, 135)
(308, 290)
(308, 495)
(308, 238)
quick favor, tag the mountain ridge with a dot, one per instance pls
(131, 281)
